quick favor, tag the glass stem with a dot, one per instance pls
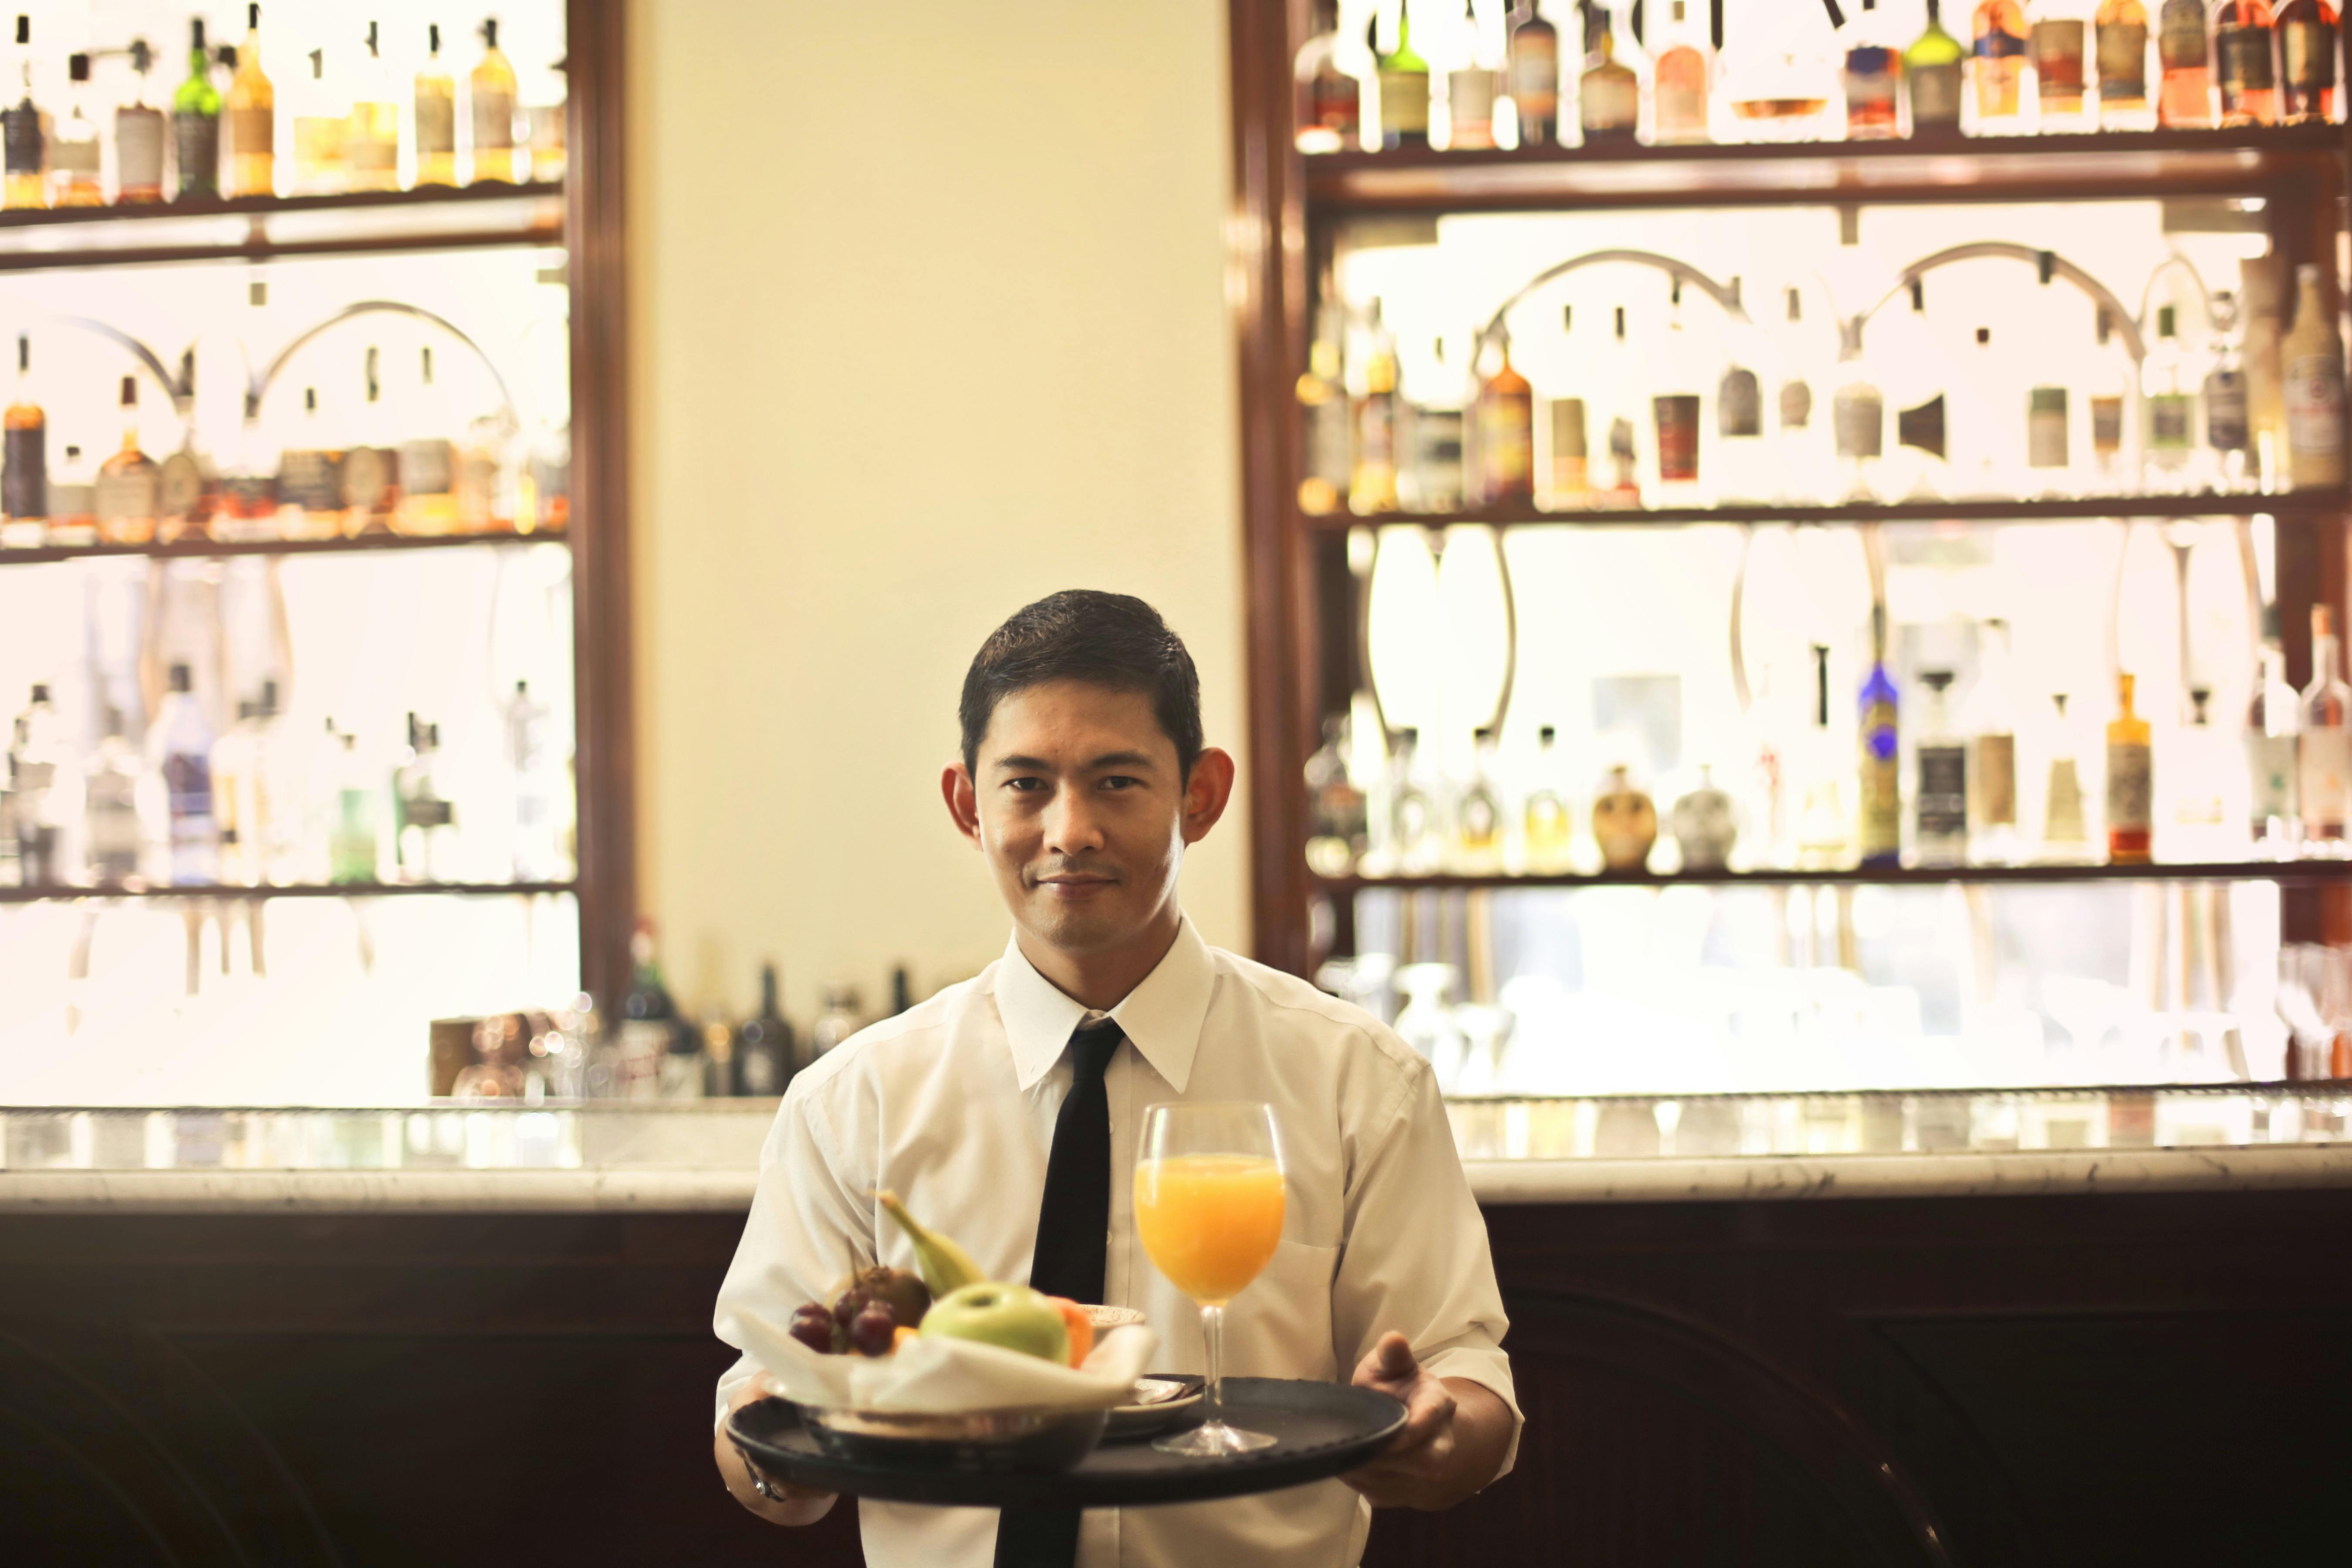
(1213, 1335)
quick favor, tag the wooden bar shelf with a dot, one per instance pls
(2283, 872)
(2109, 164)
(2297, 505)
(250, 892)
(209, 549)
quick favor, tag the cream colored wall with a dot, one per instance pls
(928, 319)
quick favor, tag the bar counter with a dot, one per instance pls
(359, 1336)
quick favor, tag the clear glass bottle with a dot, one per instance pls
(2274, 723)
(1535, 75)
(2131, 794)
(1939, 801)
(139, 138)
(1322, 395)
(1336, 808)
(2111, 388)
(354, 847)
(73, 501)
(1373, 485)
(23, 154)
(1548, 824)
(1990, 722)
(1742, 462)
(2312, 354)
(2245, 56)
(1683, 78)
(2185, 90)
(1435, 429)
(533, 778)
(1998, 67)
(2058, 47)
(1478, 813)
(2120, 46)
(2229, 433)
(490, 103)
(2066, 828)
(1676, 411)
(249, 115)
(1806, 448)
(425, 841)
(1404, 90)
(2308, 69)
(1914, 375)
(429, 458)
(45, 789)
(1623, 491)
(73, 178)
(322, 123)
(1414, 826)
(1608, 92)
(1473, 83)
(435, 98)
(372, 141)
(177, 784)
(1858, 415)
(1873, 77)
(2323, 750)
(2200, 772)
(1325, 110)
(234, 761)
(110, 832)
(2169, 388)
(1879, 834)
(1933, 76)
(1824, 834)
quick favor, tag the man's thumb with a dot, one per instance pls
(1396, 1356)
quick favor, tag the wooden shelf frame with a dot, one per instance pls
(214, 549)
(254, 892)
(2302, 873)
(2287, 506)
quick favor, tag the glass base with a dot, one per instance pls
(1213, 1439)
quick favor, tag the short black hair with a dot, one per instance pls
(1079, 633)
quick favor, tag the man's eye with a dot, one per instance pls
(1025, 785)
(1121, 781)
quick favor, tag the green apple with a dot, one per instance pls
(1012, 1316)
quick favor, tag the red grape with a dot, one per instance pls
(813, 1326)
(873, 1329)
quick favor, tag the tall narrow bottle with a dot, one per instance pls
(179, 766)
(2131, 793)
(1881, 814)
(2168, 391)
(73, 178)
(437, 118)
(1478, 814)
(1325, 107)
(490, 100)
(2306, 40)
(1823, 837)
(24, 449)
(2065, 836)
(1998, 66)
(1549, 826)
(2185, 90)
(2058, 42)
(1624, 489)
(1373, 488)
(1873, 77)
(1858, 415)
(1323, 416)
(139, 138)
(1934, 71)
(322, 125)
(1473, 86)
(250, 112)
(46, 778)
(128, 499)
(1404, 90)
(2229, 430)
(1682, 79)
(1609, 94)
(1991, 725)
(110, 833)
(1674, 408)
(2324, 758)
(2121, 47)
(531, 785)
(23, 150)
(2314, 356)
(765, 1057)
(1940, 802)
(197, 124)
(1535, 75)
(372, 143)
(2273, 719)
(2246, 61)
(1505, 432)
(1742, 461)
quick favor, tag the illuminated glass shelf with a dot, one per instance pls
(2280, 871)
(245, 891)
(207, 549)
(2296, 505)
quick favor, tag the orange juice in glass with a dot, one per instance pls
(1208, 1207)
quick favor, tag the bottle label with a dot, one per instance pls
(2323, 779)
(1943, 791)
(2058, 59)
(2307, 55)
(24, 483)
(1335, 104)
(1404, 103)
(2168, 421)
(1609, 103)
(1922, 427)
(1996, 43)
(1681, 108)
(2123, 61)
(436, 125)
(1796, 405)
(113, 825)
(2271, 765)
(20, 135)
(493, 123)
(2225, 411)
(2245, 60)
(2129, 800)
(1739, 403)
(139, 147)
(2045, 428)
(1506, 446)
(425, 468)
(373, 154)
(2314, 403)
(76, 160)
(1936, 96)
(1858, 415)
(188, 798)
(2180, 37)
(2106, 425)
(1870, 78)
(252, 133)
(1327, 442)
(1880, 821)
(426, 811)
(312, 480)
(1535, 75)
(368, 473)
(1568, 434)
(196, 143)
(127, 496)
(1996, 782)
(180, 486)
(1677, 416)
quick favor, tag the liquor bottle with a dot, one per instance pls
(372, 142)
(2307, 45)
(437, 118)
(1372, 487)
(310, 479)
(22, 152)
(1624, 489)
(1705, 825)
(2111, 377)
(1675, 411)
(1472, 87)
(2130, 780)
(1336, 807)
(2244, 45)
(1874, 78)
(126, 501)
(2169, 390)
(1807, 448)
(236, 826)
(2314, 364)
(1327, 97)
(531, 783)
(2273, 719)
(1479, 815)
(354, 845)
(46, 780)
(1434, 478)
(1824, 836)
(73, 502)
(2185, 92)
(650, 1026)
(1914, 376)
(2120, 48)
(1940, 803)
(196, 124)
(843, 1016)
(1546, 825)
(428, 503)
(1880, 820)
(1568, 477)
(2323, 750)
(110, 835)
(1413, 814)
(1683, 78)
(74, 180)
(765, 1059)
(25, 450)
(1404, 90)
(2065, 836)
(2200, 772)
(370, 466)
(1933, 74)
(322, 125)
(2045, 438)
(139, 138)
(1992, 724)
(179, 785)
(2261, 282)
(2057, 40)
(1998, 66)
(1625, 822)
(249, 114)
(1535, 75)
(2229, 435)
(425, 836)
(1858, 415)
(1323, 413)
(490, 97)
(1505, 432)
(1743, 467)
(1609, 93)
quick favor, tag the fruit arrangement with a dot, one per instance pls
(875, 1310)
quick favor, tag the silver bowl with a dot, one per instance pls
(991, 1442)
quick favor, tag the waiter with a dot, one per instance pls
(1006, 1111)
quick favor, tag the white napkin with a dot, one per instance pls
(939, 1376)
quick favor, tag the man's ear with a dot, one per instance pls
(963, 804)
(1207, 789)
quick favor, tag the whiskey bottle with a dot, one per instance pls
(1933, 78)
(1998, 66)
(322, 125)
(428, 502)
(1336, 808)
(1414, 828)
(250, 117)
(424, 824)
(1624, 489)
(1742, 463)
(46, 791)
(1505, 432)
(437, 118)
(1323, 412)
(1858, 416)
(197, 124)
(1880, 834)
(2131, 796)
(1404, 78)
(1807, 450)
(1873, 77)
(25, 450)
(127, 500)
(1472, 88)
(373, 140)
(2110, 390)
(1675, 411)
(1915, 376)
(2169, 390)
(1609, 95)
(1940, 801)
(1535, 75)
(765, 1057)
(179, 785)
(1479, 815)
(2057, 40)
(2306, 44)
(310, 500)
(1569, 473)
(2274, 719)
(2244, 50)
(372, 477)
(74, 179)
(1372, 487)
(2229, 432)
(73, 502)
(23, 154)
(2185, 90)
(1683, 78)
(2324, 752)
(139, 138)
(1433, 479)
(1326, 110)
(2120, 47)
(491, 101)
(1546, 826)
(2314, 364)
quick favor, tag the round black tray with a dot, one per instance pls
(1321, 1429)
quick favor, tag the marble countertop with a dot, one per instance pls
(1760, 1177)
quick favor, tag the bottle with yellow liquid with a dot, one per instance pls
(490, 98)
(372, 144)
(250, 115)
(20, 134)
(437, 118)
(2131, 793)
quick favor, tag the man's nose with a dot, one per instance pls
(1071, 825)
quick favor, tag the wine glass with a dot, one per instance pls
(1208, 1206)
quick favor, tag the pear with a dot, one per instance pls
(946, 1266)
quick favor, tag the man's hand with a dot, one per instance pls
(1455, 1433)
(790, 1504)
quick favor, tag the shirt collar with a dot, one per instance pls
(1162, 1015)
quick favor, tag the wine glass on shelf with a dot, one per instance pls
(1208, 1207)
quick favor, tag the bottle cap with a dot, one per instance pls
(130, 391)
(40, 691)
(177, 679)
(76, 68)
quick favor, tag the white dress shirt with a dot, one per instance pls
(952, 1104)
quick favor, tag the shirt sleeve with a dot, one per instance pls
(1415, 1258)
(810, 1225)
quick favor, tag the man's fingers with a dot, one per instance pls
(1395, 1353)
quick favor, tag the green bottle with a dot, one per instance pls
(1405, 92)
(1931, 75)
(196, 122)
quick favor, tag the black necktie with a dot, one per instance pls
(1073, 1233)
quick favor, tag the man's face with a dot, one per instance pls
(1078, 804)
